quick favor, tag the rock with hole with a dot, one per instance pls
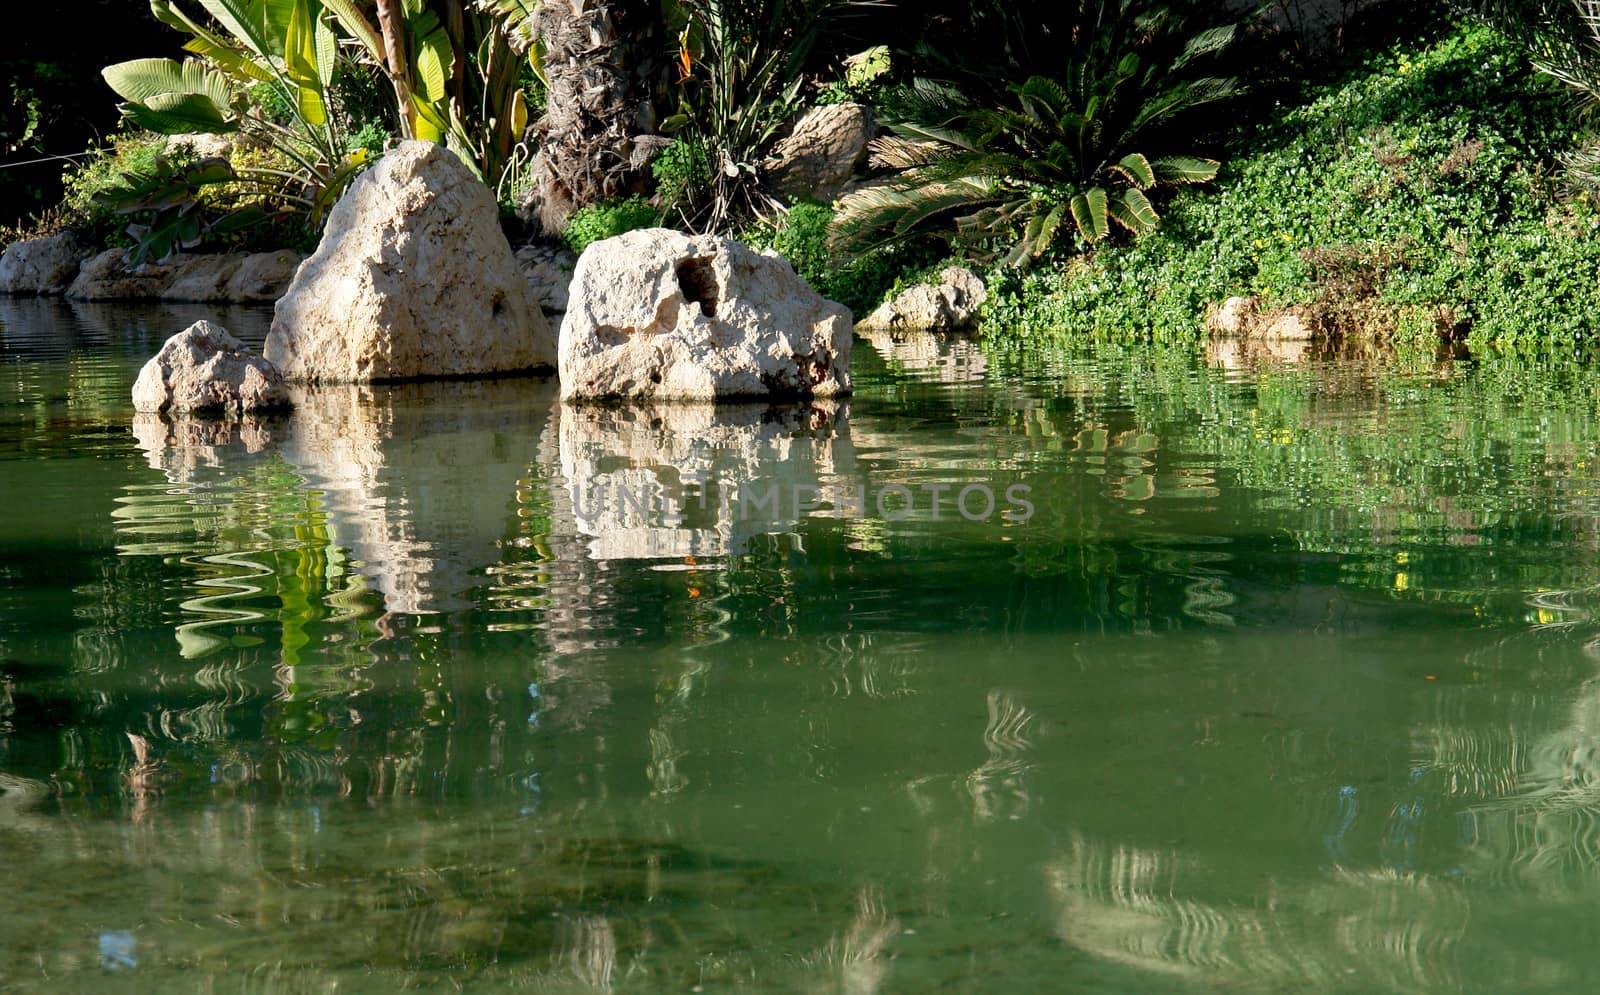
(660, 314)
(413, 279)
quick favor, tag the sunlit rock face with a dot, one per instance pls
(689, 481)
(951, 305)
(418, 481)
(41, 265)
(203, 370)
(226, 277)
(414, 278)
(660, 315)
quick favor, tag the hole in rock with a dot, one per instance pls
(698, 281)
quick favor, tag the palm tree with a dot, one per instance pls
(1071, 151)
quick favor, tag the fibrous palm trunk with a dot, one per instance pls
(597, 137)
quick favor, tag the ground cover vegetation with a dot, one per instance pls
(1113, 166)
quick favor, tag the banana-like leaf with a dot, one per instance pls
(1132, 210)
(1137, 169)
(300, 63)
(356, 25)
(178, 114)
(246, 21)
(140, 79)
(1089, 212)
(326, 42)
(1186, 169)
(230, 60)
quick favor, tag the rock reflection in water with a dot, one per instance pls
(418, 480)
(681, 481)
(943, 358)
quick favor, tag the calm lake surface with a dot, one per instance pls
(1275, 678)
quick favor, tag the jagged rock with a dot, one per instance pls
(549, 271)
(205, 370)
(413, 278)
(822, 152)
(660, 314)
(42, 266)
(950, 305)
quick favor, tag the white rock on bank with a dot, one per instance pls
(413, 278)
(41, 266)
(659, 314)
(950, 305)
(205, 370)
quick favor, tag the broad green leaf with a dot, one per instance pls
(246, 21)
(1089, 213)
(1186, 169)
(300, 63)
(326, 44)
(356, 25)
(179, 113)
(1133, 211)
(140, 79)
(230, 60)
(1138, 170)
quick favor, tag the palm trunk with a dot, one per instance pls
(392, 24)
(595, 138)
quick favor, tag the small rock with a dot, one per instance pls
(659, 314)
(1285, 326)
(948, 306)
(41, 266)
(1234, 316)
(204, 370)
(413, 279)
(203, 146)
(824, 149)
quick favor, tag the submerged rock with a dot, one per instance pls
(41, 266)
(950, 305)
(413, 279)
(204, 370)
(822, 152)
(660, 314)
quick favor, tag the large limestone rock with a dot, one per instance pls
(950, 305)
(413, 279)
(203, 370)
(660, 314)
(822, 152)
(41, 266)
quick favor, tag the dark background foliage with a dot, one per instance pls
(50, 75)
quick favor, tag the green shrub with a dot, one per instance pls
(601, 221)
(861, 283)
(1430, 168)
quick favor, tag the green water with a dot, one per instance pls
(1288, 681)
